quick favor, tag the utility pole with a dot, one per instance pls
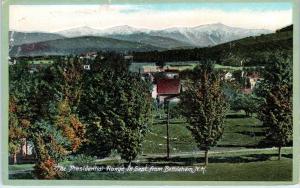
(168, 139)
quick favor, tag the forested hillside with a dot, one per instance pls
(250, 50)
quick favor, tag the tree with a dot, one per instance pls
(174, 111)
(116, 107)
(204, 105)
(160, 63)
(276, 110)
(18, 106)
(46, 104)
(248, 103)
(16, 130)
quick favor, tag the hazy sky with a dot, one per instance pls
(51, 18)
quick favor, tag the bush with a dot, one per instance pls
(84, 160)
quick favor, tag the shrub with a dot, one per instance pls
(84, 160)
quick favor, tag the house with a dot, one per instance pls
(171, 74)
(154, 91)
(167, 89)
(149, 69)
(25, 153)
(86, 67)
(91, 55)
(148, 76)
(12, 61)
(228, 76)
(169, 68)
(128, 57)
(253, 78)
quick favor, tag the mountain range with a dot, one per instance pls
(200, 36)
(125, 38)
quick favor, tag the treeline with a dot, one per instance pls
(64, 109)
(251, 50)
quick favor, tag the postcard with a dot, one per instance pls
(150, 92)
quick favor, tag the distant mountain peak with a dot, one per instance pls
(87, 28)
(212, 25)
(123, 30)
(122, 26)
(202, 35)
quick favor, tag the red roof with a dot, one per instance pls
(168, 86)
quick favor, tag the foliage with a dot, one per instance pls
(17, 130)
(276, 89)
(161, 64)
(116, 107)
(248, 103)
(18, 107)
(47, 106)
(204, 106)
(251, 49)
(174, 110)
(83, 160)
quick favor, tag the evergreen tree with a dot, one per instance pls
(203, 104)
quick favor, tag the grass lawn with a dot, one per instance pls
(240, 165)
(217, 66)
(18, 167)
(252, 171)
(235, 158)
(41, 62)
(239, 131)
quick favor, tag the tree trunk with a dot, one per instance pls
(26, 149)
(206, 157)
(279, 152)
(168, 136)
(128, 164)
(15, 158)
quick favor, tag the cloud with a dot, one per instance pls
(51, 18)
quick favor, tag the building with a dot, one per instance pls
(167, 89)
(253, 78)
(128, 57)
(228, 76)
(149, 69)
(171, 74)
(25, 153)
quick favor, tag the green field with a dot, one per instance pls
(181, 65)
(239, 132)
(252, 171)
(242, 165)
(235, 158)
(42, 61)
(136, 67)
(217, 66)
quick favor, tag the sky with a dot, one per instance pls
(52, 18)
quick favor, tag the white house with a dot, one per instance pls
(228, 76)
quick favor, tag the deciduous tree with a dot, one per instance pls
(204, 105)
(276, 89)
(116, 105)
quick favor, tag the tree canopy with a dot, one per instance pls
(205, 107)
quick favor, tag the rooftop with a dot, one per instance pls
(168, 86)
